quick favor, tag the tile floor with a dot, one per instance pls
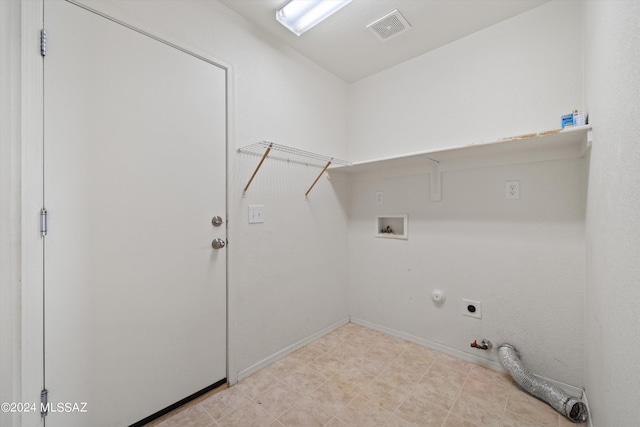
(355, 376)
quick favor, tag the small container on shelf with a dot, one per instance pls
(576, 118)
(579, 118)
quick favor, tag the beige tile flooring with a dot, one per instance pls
(356, 376)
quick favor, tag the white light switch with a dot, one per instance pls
(256, 214)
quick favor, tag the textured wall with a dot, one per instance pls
(523, 259)
(513, 78)
(612, 61)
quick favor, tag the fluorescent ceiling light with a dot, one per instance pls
(302, 15)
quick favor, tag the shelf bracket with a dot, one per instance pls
(314, 182)
(264, 156)
(435, 182)
(589, 142)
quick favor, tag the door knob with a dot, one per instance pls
(216, 221)
(218, 243)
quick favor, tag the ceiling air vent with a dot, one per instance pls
(389, 26)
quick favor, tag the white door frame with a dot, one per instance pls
(32, 192)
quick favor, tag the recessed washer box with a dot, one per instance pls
(392, 226)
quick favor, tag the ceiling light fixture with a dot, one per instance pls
(302, 15)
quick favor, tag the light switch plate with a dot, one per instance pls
(256, 214)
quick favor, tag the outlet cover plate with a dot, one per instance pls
(476, 311)
(512, 190)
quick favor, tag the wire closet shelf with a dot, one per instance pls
(263, 148)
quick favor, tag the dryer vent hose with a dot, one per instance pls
(572, 407)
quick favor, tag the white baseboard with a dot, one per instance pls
(290, 349)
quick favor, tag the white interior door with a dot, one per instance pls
(135, 158)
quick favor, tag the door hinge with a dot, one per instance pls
(44, 402)
(44, 222)
(43, 42)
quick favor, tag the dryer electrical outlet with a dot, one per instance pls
(472, 308)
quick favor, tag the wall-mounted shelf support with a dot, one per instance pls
(264, 156)
(435, 181)
(589, 143)
(314, 182)
(297, 156)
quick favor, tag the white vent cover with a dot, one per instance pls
(389, 26)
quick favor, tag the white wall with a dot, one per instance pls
(524, 260)
(9, 206)
(516, 77)
(612, 62)
(292, 270)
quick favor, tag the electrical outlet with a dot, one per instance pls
(512, 190)
(472, 308)
(379, 197)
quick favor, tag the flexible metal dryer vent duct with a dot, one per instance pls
(562, 402)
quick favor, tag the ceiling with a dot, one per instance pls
(344, 46)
